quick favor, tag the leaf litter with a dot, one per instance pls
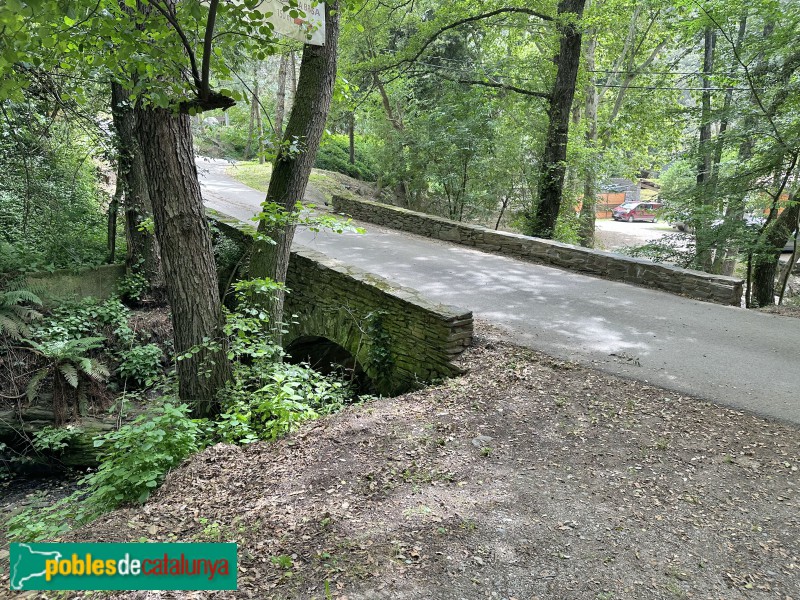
(526, 478)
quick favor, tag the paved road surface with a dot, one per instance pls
(739, 358)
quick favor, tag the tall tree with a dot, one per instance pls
(143, 253)
(705, 155)
(188, 259)
(541, 219)
(295, 159)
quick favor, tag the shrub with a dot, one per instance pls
(133, 463)
(265, 403)
(89, 317)
(136, 457)
(334, 155)
(142, 364)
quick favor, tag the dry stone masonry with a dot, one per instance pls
(685, 282)
(400, 338)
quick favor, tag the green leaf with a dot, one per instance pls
(70, 374)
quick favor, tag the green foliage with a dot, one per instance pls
(136, 457)
(69, 362)
(87, 318)
(133, 463)
(51, 209)
(69, 343)
(142, 364)
(334, 155)
(264, 400)
(274, 217)
(133, 286)
(15, 315)
(54, 439)
(380, 344)
(268, 401)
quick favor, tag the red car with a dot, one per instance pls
(637, 211)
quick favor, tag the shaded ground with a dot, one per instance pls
(528, 477)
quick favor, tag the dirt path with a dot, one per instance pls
(526, 478)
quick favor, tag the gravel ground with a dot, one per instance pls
(613, 235)
(526, 478)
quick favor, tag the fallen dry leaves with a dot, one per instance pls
(528, 477)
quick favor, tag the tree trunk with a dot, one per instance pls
(291, 171)
(292, 80)
(703, 236)
(542, 221)
(188, 259)
(143, 254)
(113, 210)
(280, 104)
(589, 206)
(351, 130)
(765, 263)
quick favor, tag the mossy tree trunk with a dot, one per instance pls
(187, 256)
(292, 169)
(143, 252)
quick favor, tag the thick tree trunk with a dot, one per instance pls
(291, 171)
(143, 253)
(542, 221)
(588, 208)
(188, 259)
(703, 236)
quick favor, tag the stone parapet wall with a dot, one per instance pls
(685, 282)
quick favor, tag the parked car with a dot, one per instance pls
(637, 211)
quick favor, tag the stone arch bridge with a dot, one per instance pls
(396, 336)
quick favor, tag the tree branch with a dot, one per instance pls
(206, 68)
(497, 85)
(499, 11)
(184, 40)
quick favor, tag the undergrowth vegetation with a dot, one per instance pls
(51, 203)
(90, 341)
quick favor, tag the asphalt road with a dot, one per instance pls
(742, 359)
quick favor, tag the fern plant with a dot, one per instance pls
(15, 315)
(70, 365)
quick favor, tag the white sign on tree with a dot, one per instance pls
(305, 22)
